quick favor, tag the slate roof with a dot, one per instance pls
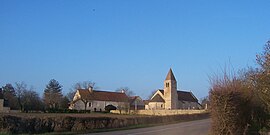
(103, 95)
(170, 75)
(184, 96)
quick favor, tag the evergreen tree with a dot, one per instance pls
(64, 103)
(53, 94)
(9, 94)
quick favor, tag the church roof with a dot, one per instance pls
(170, 75)
(103, 95)
(157, 98)
(184, 96)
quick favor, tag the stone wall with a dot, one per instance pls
(160, 112)
(19, 124)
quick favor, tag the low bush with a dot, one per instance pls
(235, 107)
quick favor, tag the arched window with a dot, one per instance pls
(167, 84)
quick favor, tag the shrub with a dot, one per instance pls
(230, 106)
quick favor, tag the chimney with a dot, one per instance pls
(90, 88)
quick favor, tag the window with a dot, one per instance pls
(89, 104)
(167, 85)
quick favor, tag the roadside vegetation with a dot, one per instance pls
(240, 102)
(25, 99)
(36, 123)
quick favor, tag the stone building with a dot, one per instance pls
(170, 98)
(96, 100)
(136, 103)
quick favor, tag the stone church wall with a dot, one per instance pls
(188, 105)
(162, 112)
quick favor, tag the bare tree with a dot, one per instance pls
(80, 85)
(84, 85)
(70, 95)
(20, 87)
(151, 95)
(28, 99)
(262, 77)
(205, 102)
(126, 90)
(31, 101)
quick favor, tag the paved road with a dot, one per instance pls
(199, 127)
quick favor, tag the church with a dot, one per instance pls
(170, 98)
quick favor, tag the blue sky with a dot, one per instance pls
(128, 43)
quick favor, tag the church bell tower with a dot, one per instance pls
(170, 91)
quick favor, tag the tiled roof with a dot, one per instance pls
(103, 95)
(170, 75)
(184, 96)
(157, 98)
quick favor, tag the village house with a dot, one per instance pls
(96, 100)
(136, 103)
(170, 98)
